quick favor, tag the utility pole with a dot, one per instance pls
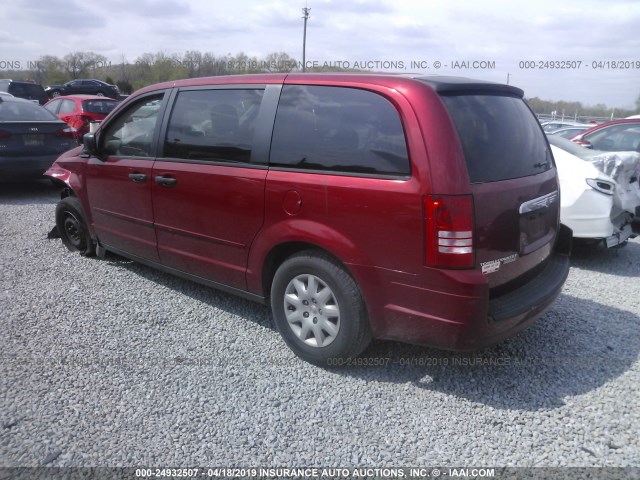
(305, 13)
(508, 75)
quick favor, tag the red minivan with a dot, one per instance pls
(420, 209)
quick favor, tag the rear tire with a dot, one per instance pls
(319, 310)
(72, 227)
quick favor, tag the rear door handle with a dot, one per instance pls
(138, 177)
(166, 181)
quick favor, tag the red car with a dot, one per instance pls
(78, 111)
(615, 136)
(421, 209)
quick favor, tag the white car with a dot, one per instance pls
(599, 191)
(555, 125)
(569, 132)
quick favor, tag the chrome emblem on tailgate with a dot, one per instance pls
(538, 203)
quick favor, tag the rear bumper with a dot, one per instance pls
(456, 312)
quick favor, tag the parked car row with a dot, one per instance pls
(31, 138)
(35, 92)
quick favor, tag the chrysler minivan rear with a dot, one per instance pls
(495, 253)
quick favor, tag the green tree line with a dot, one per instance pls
(151, 68)
(578, 110)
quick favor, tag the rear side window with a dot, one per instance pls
(213, 125)
(26, 89)
(500, 137)
(338, 129)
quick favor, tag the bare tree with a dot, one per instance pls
(48, 70)
(77, 64)
(279, 62)
(192, 62)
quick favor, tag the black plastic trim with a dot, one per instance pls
(188, 276)
(465, 86)
(541, 290)
(340, 173)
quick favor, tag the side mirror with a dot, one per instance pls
(89, 141)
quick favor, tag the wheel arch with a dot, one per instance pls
(279, 253)
(282, 239)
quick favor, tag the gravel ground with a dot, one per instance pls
(110, 363)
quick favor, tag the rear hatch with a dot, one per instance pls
(29, 91)
(513, 179)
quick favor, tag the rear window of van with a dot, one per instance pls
(500, 136)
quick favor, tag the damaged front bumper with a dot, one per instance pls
(624, 234)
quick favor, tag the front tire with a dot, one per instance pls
(319, 310)
(72, 227)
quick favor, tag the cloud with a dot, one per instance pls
(360, 7)
(154, 8)
(60, 14)
(9, 39)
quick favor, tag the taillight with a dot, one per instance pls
(449, 231)
(66, 132)
(4, 134)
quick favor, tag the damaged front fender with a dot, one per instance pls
(624, 168)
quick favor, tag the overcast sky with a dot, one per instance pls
(500, 33)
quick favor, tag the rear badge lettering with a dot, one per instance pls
(494, 265)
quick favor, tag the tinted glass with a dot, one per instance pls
(102, 107)
(26, 89)
(571, 147)
(67, 106)
(53, 105)
(131, 133)
(569, 132)
(213, 125)
(338, 129)
(500, 137)
(24, 111)
(616, 138)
